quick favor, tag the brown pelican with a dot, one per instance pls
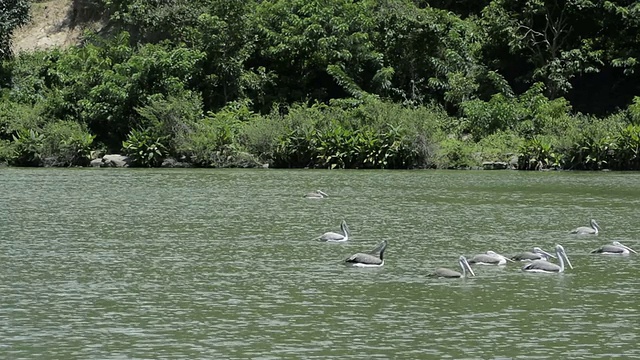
(489, 258)
(336, 237)
(318, 194)
(448, 273)
(546, 267)
(536, 254)
(374, 258)
(585, 230)
(616, 248)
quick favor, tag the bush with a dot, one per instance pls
(67, 143)
(171, 118)
(500, 146)
(144, 149)
(26, 148)
(217, 140)
(456, 153)
(15, 116)
(5, 151)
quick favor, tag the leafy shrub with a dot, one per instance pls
(5, 151)
(261, 136)
(15, 116)
(634, 111)
(539, 153)
(627, 155)
(528, 114)
(216, 140)
(171, 117)
(455, 153)
(144, 149)
(27, 148)
(67, 143)
(500, 146)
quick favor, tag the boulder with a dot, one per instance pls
(494, 165)
(112, 160)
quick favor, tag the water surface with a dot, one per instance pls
(185, 264)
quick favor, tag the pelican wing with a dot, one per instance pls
(332, 236)
(446, 273)
(541, 265)
(485, 259)
(362, 258)
(583, 230)
(527, 256)
(610, 249)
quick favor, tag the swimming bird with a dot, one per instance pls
(489, 258)
(336, 237)
(318, 194)
(616, 248)
(448, 273)
(374, 258)
(544, 266)
(536, 254)
(584, 230)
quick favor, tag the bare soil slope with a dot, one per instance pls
(54, 23)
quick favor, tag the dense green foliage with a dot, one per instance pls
(332, 84)
(13, 13)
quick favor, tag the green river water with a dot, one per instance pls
(220, 264)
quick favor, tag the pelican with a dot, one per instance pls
(536, 254)
(585, 230)
(544, 266)
(448, 273)
(374, 258)
(489, 258)
(336, 237)
(318, 194)
(616, 248)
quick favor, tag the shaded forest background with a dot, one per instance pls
(329, 84)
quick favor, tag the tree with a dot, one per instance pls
(435, 55)
(560, 41)
(318, 49)
(13, 14)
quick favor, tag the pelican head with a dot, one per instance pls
(595, 225)
(345, 228)
(562, 256)
(466, 268)
(544, 266)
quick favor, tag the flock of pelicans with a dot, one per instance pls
(537, 259)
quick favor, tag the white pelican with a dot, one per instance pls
(489, 258)
(336, 237)
(616, 248)
(374, 258)
(448, 273)
(318, 194)
(536, 254)
(544, 266)
(586, 230)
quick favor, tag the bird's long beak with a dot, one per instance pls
(504, 257)
(628, 248)
(567, 258)
(466, 265)
(548, 254)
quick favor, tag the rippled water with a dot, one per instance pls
(184, 264)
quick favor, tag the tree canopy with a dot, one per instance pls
(205, 77)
